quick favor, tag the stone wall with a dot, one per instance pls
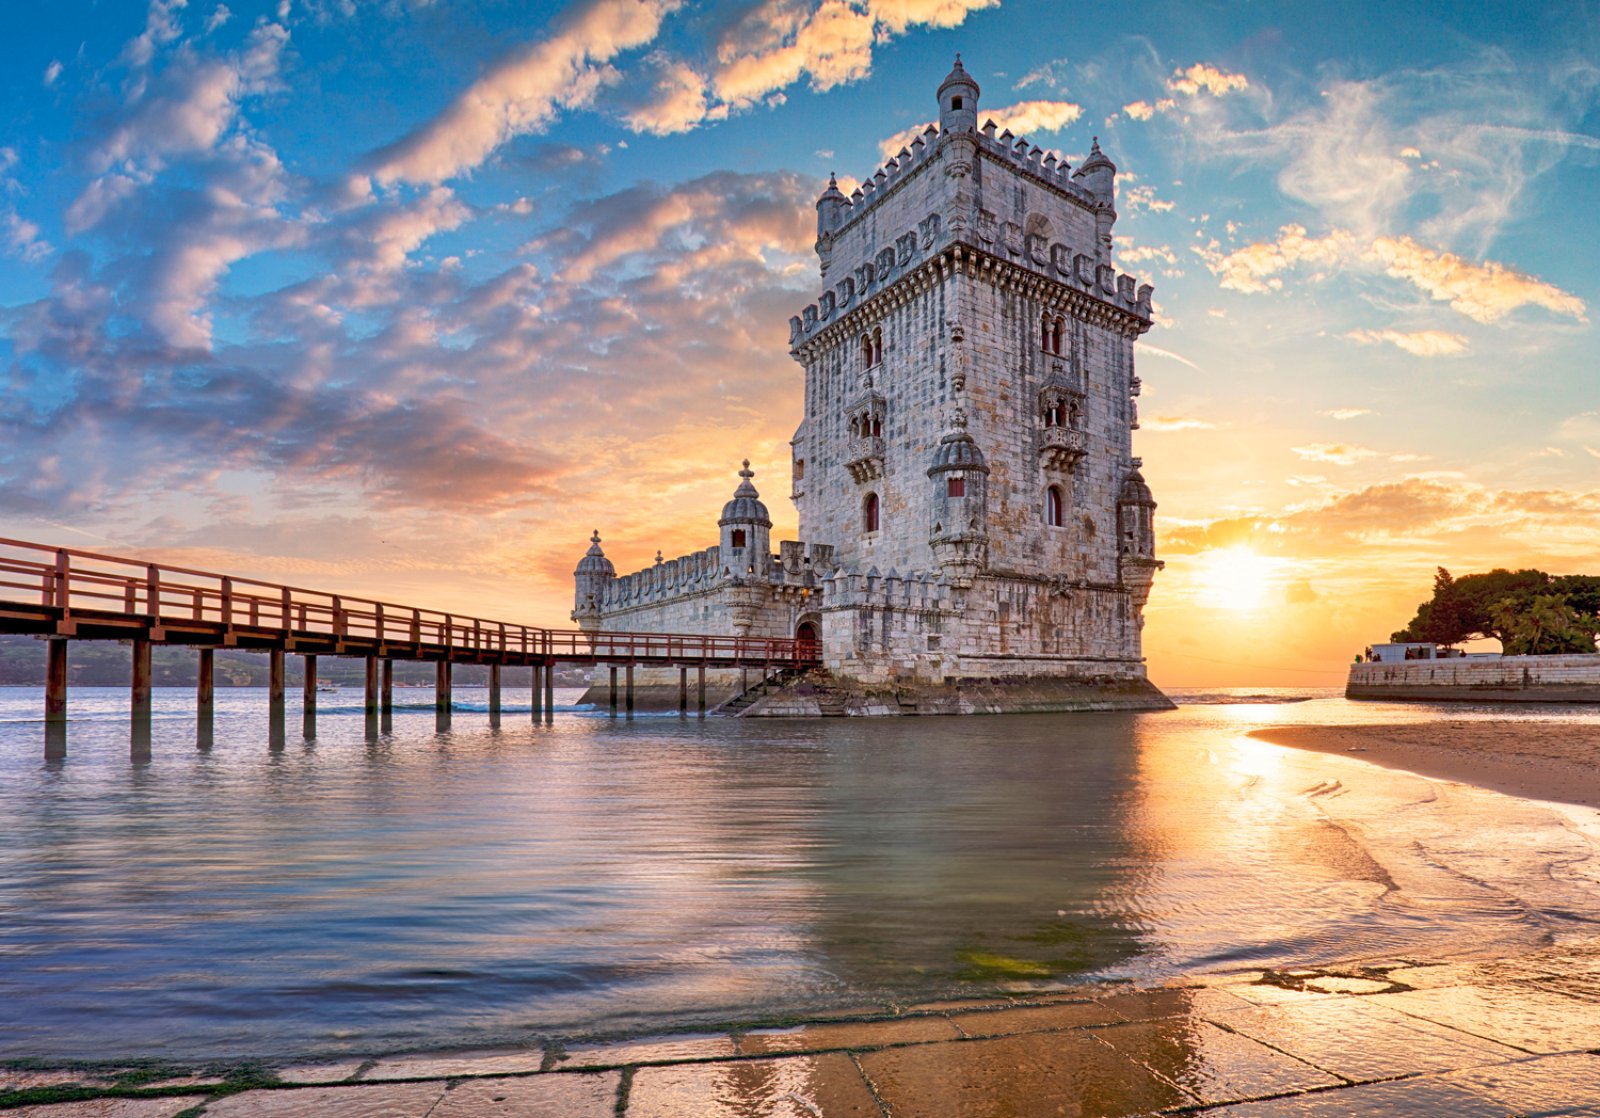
(1497, 679)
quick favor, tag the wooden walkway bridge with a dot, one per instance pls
(64, 594)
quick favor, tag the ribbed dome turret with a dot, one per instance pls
(746, 506)
(833, 193)
(1135, 491)
(594, 561)
(958, 76)
(957, 451)
(1096, 159)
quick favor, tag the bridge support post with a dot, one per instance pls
(386, 697)
(549, 692)
(275, 689)
(683, 690)
(441, 694)
(538, 688)
(494, 694)
(702, 690)
(613, 690)
(309, 690)
(140, 700)
(55, 681)
(629, 697)
(205, 697)
(369, 698)
(55, 700)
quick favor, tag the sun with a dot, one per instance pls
(1233, 578)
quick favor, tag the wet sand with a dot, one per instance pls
(1535, 760)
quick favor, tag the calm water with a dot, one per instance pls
(481, 884)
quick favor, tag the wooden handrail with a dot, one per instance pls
(68, 578)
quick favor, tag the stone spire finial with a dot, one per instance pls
(747, 472)
(594, 543)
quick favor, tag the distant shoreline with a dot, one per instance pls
(1556, 761)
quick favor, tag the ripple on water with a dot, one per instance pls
(484, 885)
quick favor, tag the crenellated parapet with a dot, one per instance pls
(914, 591)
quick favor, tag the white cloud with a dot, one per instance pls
(523, 92)
(1348, 413)
(1336, 454)
(1164, 423)
(1418, 343)
(52, 72)
(22, 238)
(1204, 77)
(1482, 292)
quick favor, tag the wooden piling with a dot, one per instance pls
(683, 690)
(205, 696)
(494, 692)
(702, 690)
(55, 681)
(275, 690)
(309, 692)
(613, 689)
(369, 699)
(538, 688)
(140, 705)
(630, 689)
(441, 687)
(386, 689)
(549, 691)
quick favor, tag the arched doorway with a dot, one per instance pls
(809, 634)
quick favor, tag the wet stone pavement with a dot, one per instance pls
(1512, 1037)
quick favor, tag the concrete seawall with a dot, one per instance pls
(1518, 679)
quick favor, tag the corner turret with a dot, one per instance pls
(831, 208)
(746, 531)
(958, 101)
(593, 574)
(960, 530)
(1136, 537)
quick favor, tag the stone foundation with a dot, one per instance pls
(1501, 679)
(818, 694)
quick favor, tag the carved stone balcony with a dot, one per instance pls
(1060, 448)
(864, 457)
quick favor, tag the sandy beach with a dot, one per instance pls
(1542, 761)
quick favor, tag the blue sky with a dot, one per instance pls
(410, 296)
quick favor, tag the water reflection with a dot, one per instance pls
(422, 882)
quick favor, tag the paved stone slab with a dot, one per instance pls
(110, 1108)
(821, 1086)
(710, 1046)
(1037, 1074)
(1548, 1085)
(332, 1072)
(444, 1065)
(1146, 1005)
(378, 1100)
(1211, 1063)
(1407, 1098)
(1007, 1022)
(859, 1034)
(12, 1080)
(1531, 1019)
(1359, 1040)
(581, 1095)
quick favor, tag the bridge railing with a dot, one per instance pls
(70, 580)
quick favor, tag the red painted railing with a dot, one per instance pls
(165, 596)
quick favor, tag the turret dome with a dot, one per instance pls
(958, 76)
(594, 561)
(957, 451)
(746, 506)
(1135, 491)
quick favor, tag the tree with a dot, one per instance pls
(1542, 625)
(1502, 604)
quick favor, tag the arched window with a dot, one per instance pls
(799, 469)
(877, 345)
(1055, 336)
(869, 513)
(1044, 333)
(955, 486)
(866, 350)
(877, 425)
(738, 537)
(1053, 507)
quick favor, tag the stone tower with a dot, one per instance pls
(967, 441)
